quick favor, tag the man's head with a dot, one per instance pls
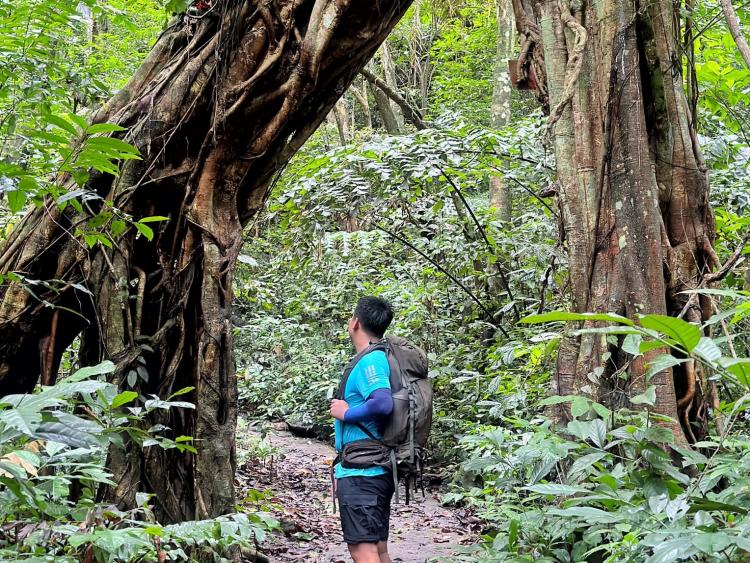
(371, 319)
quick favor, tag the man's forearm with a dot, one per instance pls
(378, 405)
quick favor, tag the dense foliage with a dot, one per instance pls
(406, 217)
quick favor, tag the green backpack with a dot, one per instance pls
(403, 446)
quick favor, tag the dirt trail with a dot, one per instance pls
(295, 473)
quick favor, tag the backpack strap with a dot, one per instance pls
(380, 345)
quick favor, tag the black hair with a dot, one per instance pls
(375, 315)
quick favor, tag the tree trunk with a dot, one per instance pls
(633, 189)
(385, 110)
(421, 40)
(389, 73)
(219, 105)
(341, 115)
(361, 96)
(407, 111)
(500, 194)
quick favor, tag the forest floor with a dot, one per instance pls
(290, 477)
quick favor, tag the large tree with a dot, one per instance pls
(632, 187)
(218, 107)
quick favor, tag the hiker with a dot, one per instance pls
(364, 494)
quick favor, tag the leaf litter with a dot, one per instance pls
(289, 477)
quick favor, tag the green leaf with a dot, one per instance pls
(707, 349)
(66, 431)
(153, 219)
(739, 367)
(579, 406)
(124, 398)
(594, 430)
(566, 316)
(598, 432)
(103, 128)
(589, 514)
(648, 345)
(632, 344)
(711, 505)
(157, 531)
(659, 435)
(686, 334)
(586, 461)
(648, 397)
(112, 145)
(671, 551)
(118, 227)
(62, 123)
(513, 535)
(145, 230)
(712, 543)
(558, 399)
(660, 363)
(183, 391)
(16, 200)
(99, 369)
(556, 489)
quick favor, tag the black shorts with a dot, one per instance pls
(365, 507)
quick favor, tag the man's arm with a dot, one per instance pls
(378, 405)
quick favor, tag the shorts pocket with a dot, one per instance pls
(359, 500)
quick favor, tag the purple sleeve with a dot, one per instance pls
(378, 405)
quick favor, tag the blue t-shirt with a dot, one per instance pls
(370, 373)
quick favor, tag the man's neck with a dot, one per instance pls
(362, 341)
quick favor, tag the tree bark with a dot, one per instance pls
(385, 110)
(420, 44)
(389, 72)
(500, 195)
(361, 96)
(633, 189)
(341, 117)
(736, 30)
(408, 112)
(216, 109)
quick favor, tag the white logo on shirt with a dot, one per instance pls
(371, 374)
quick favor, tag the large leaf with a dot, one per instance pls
(712, 542)
(660, 363)
(566, 316)
(648, 397)
(686, 334)
(672, 550)
(556, 489)
(586, 461)
(740, 368)
(590, 514)
(707, 349)
(99, 369)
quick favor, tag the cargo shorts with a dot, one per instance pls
(365, 507)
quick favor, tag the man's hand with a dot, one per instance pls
(338, 408)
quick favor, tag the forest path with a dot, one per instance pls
(295, 474)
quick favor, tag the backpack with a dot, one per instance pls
(403, 445)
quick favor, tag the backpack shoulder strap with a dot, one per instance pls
(353, 362)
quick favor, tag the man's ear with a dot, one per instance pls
(356, 325)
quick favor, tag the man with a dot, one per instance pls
(364, 495)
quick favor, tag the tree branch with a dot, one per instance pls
(734, 27)
(412, 115)
(453, 278)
